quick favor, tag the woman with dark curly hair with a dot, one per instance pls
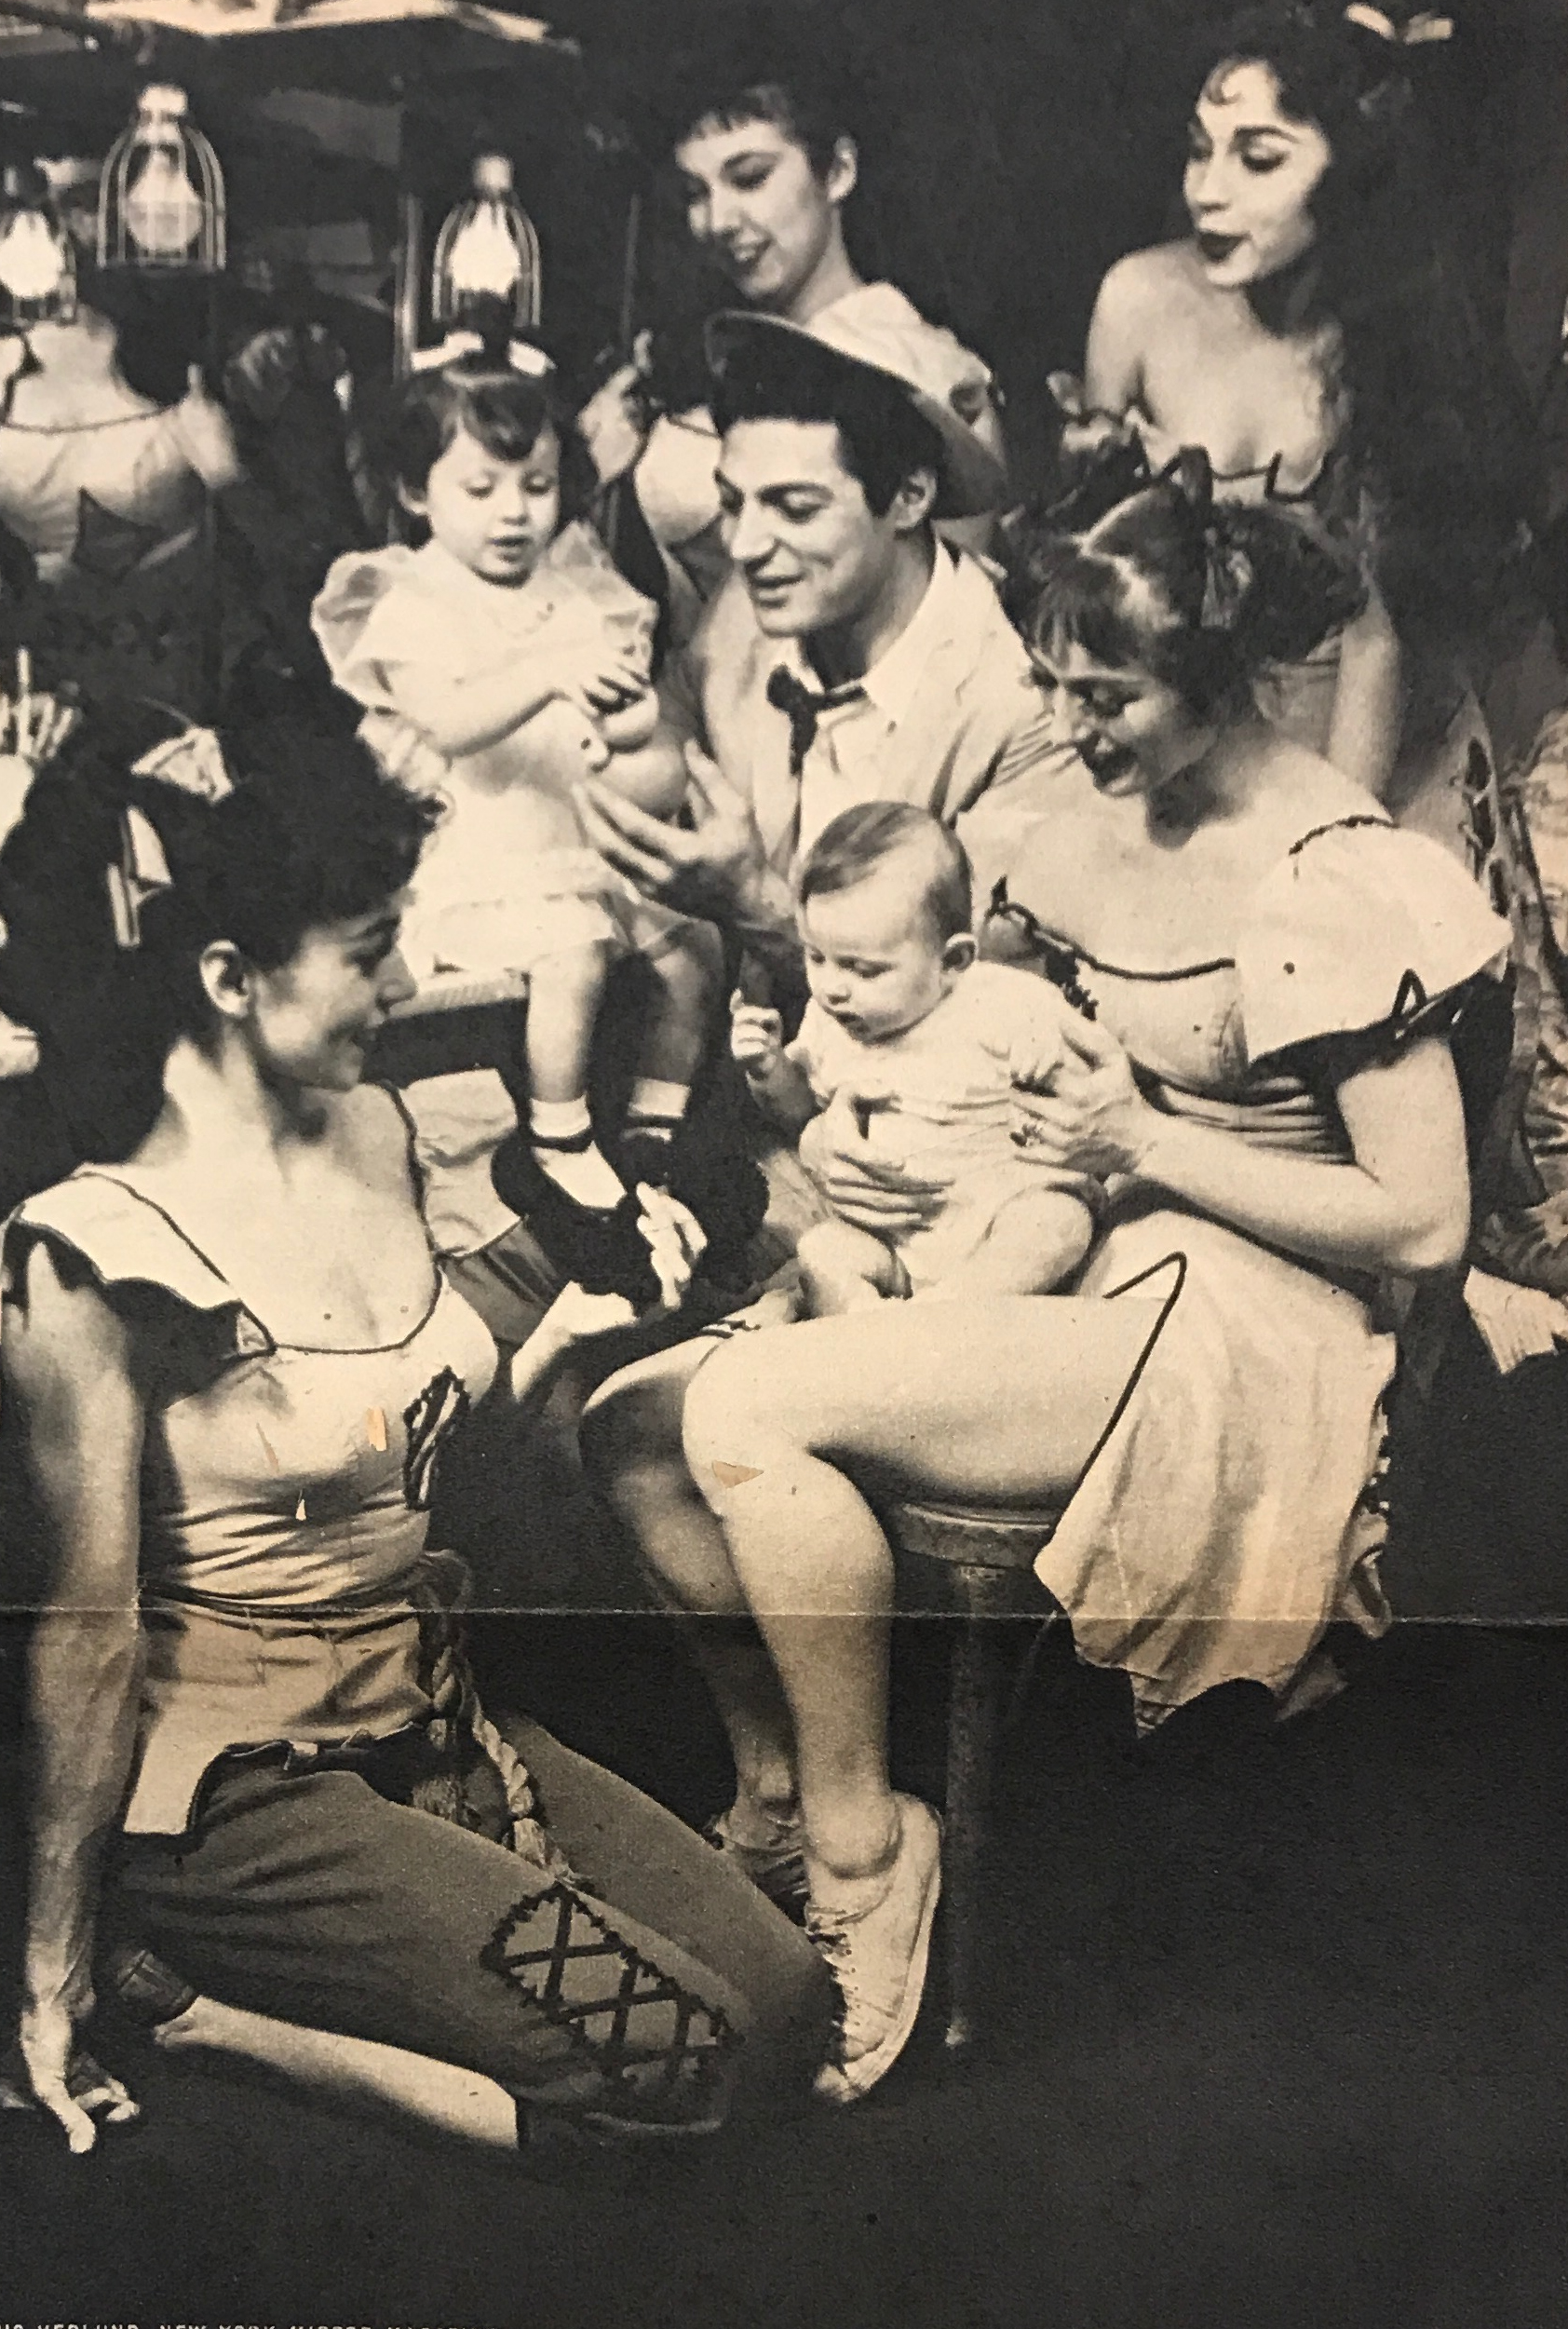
(231, 1365)
(1315, 334)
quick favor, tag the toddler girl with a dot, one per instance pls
(511, 644)
(929, 1043)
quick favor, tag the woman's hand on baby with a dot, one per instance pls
(46, 2069)
(1091, 1117)
(869, 1192)
(756, 1038)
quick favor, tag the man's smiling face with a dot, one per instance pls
(813, 553)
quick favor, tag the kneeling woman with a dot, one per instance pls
(1268, 973)
(230, 1366)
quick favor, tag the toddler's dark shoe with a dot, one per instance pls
(706, 1167)
(599, 1248)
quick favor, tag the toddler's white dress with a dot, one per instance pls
(507, 878)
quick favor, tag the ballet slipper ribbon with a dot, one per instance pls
(520, 353)
(1418, 31)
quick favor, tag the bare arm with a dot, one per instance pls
(67, 1366)
(1402, 1205)
(780, 1084)
(1113, 357)
(468, 716)
(717, 871)
(1364, 737)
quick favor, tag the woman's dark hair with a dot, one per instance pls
(506, 410)
(765, 64)
(884, 439)
(1435, 436)
(311, 833)
(1203, 594)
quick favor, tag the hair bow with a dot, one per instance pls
(192, 761)
(521, 355)
(1228, 579)
(1417, 32)
(140, 872)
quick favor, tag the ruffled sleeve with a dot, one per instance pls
(1361, 928)
(578, 561)
(124, 1241)
(355, 618)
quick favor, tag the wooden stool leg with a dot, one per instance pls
(974, 1711)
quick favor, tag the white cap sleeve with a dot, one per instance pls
(1360, 927)
(362, 619)
(126, 1240)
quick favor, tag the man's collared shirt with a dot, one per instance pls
(949, 719)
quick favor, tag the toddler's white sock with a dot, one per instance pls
(585, 1174)
(655, 1105)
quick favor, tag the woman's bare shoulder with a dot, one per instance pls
(60, 1337)
(373, 1134)
(1160, 275)
(1307, 790)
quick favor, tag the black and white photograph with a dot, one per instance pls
(783, 1164)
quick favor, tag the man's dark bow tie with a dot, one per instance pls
(804, 706)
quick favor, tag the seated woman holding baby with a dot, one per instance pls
(1263, 977)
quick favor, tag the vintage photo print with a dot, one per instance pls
(783, 1113)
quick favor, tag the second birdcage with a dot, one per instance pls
(161, 201)
(37, 264)
(488, 249)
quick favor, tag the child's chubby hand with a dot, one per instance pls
(756, 1038)
(630, 725)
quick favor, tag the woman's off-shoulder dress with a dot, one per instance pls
(1232, 1508)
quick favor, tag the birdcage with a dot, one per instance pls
(160, 202)
(488, 249)
(37, 263)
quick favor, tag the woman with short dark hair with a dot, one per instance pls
(759, 133)
(267, 1805)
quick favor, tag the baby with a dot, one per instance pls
(511, 645)
(928, 1041)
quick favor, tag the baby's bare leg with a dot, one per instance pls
(843, 1269)
(1036, 1240)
